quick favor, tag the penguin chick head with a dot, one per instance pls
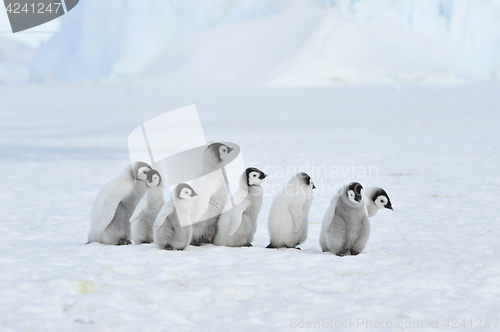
(307, 179)
(381, 199)
(220, 150)
(185, 191)
(254, 176)
(355, 192)
(153, 178)
(140, 170)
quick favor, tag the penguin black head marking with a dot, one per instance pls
(307, 180)
(220, 150)
(355, 192)
(139, 170)
(254, 176)
(185, 191)
(153, 178)
(381, 199)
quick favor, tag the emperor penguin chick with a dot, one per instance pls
(236, 226)
(114, 206)
(167, 230)
(346, 227)
(213, 194)
(288, 219)
(146, 211)
(376, 199)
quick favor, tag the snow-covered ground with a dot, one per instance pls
(434, 149)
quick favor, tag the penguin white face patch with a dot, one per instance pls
(185, 193)
(223, 151)
(254, 178)
(380, 202)
(351, 196)
(154, 181)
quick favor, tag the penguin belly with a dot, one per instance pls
(118, 230)
(142, 229)
(171, 235)
(205, 231)
(243, 236)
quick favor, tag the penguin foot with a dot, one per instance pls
(197, 244)
(297, 248)
(124, 242)
(354, 252)
(247, 245)
(271, 246)
(168, 247)
(340, 254)
(145, 242)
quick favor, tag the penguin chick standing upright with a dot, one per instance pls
(114, 206)
(212, 189)
(146, 211)
(236, 227)
(346, 227)
(288, 219)
(376, 199)
(167, 230)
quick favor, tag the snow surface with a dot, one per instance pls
(436, 256)
(276, 42)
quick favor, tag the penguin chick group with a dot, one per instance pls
(132, 207)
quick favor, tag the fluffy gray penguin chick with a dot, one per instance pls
(346, 228)
(114, 205)
(237, 225)
(146, 211)
(288, 219)
(168, 233)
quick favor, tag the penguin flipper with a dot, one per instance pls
(296, 208)
(237, 216)
(143, 204)
(336, 236)
(327, 220)
(111, 204)
(165, 211)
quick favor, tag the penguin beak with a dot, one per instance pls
(229, 149)
(194, 194)
(313, 186)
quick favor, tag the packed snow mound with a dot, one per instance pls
(277, 43)
(14, 60)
